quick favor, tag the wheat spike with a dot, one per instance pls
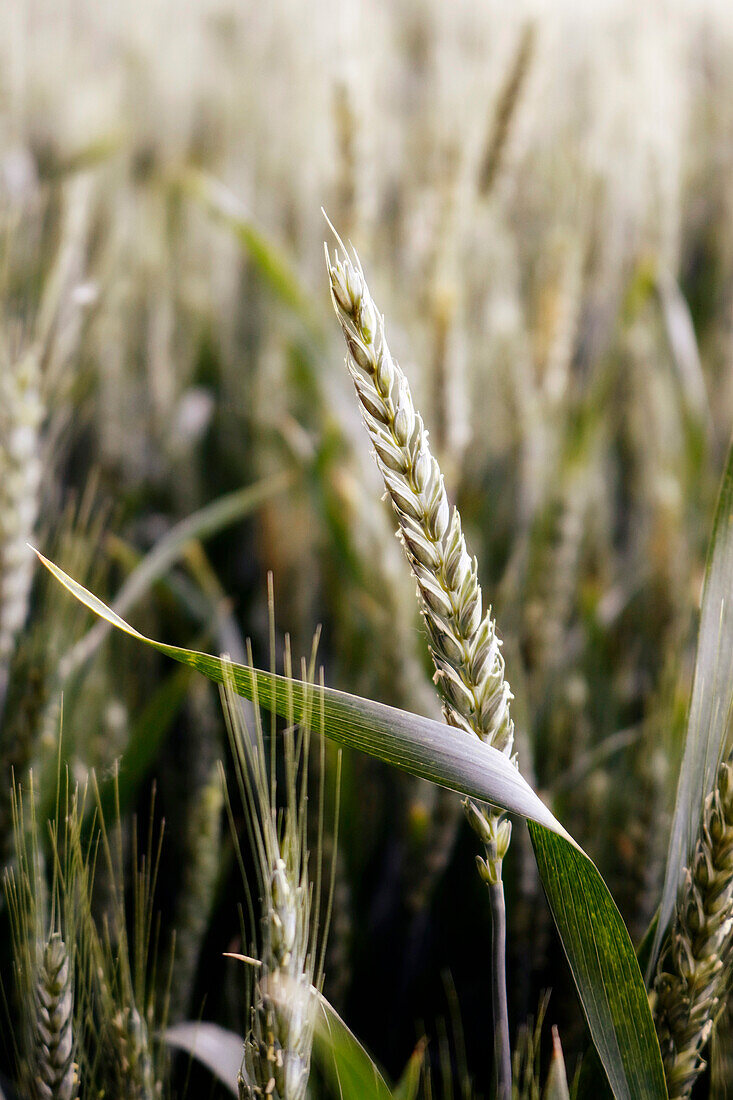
(21, 414)
(505, 111)
(464, 644)
(693, 973)
(277, 1049)
(290, 947)
(56, 1079)
(130, 1041)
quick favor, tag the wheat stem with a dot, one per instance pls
(502, 1051)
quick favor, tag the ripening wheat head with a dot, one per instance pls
(464, 645)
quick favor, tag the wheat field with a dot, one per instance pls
(443, 815)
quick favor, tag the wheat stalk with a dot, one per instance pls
(504, 112)
(694, 970)
(469, 667)
(199, 884)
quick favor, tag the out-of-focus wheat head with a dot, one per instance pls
(21, 416)
(694, 972)
(42, 935)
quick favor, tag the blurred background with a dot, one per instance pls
(542, 199)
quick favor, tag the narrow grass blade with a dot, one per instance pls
(710, 706)
(271, 264)
(204, 523)
(683, 346)
(215, 1047)
(604, 968)
(594, 937)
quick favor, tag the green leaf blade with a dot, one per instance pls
(421, 746)
(343, 1059)
(604, 967)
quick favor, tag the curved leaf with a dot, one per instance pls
(215, 1047)
(421, 746)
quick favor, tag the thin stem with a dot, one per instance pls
(502, 1051)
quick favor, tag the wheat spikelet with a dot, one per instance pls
(277, 1049)
(41, 926)
(693, 973)
(129, 1038)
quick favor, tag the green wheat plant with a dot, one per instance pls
(541, 200)
(290, 942)
(464, 644)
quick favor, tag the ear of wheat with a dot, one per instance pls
(290, 946)
(464, 644)
(694, 971)
(41, 930)
(21, 414)
(55, 1010)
